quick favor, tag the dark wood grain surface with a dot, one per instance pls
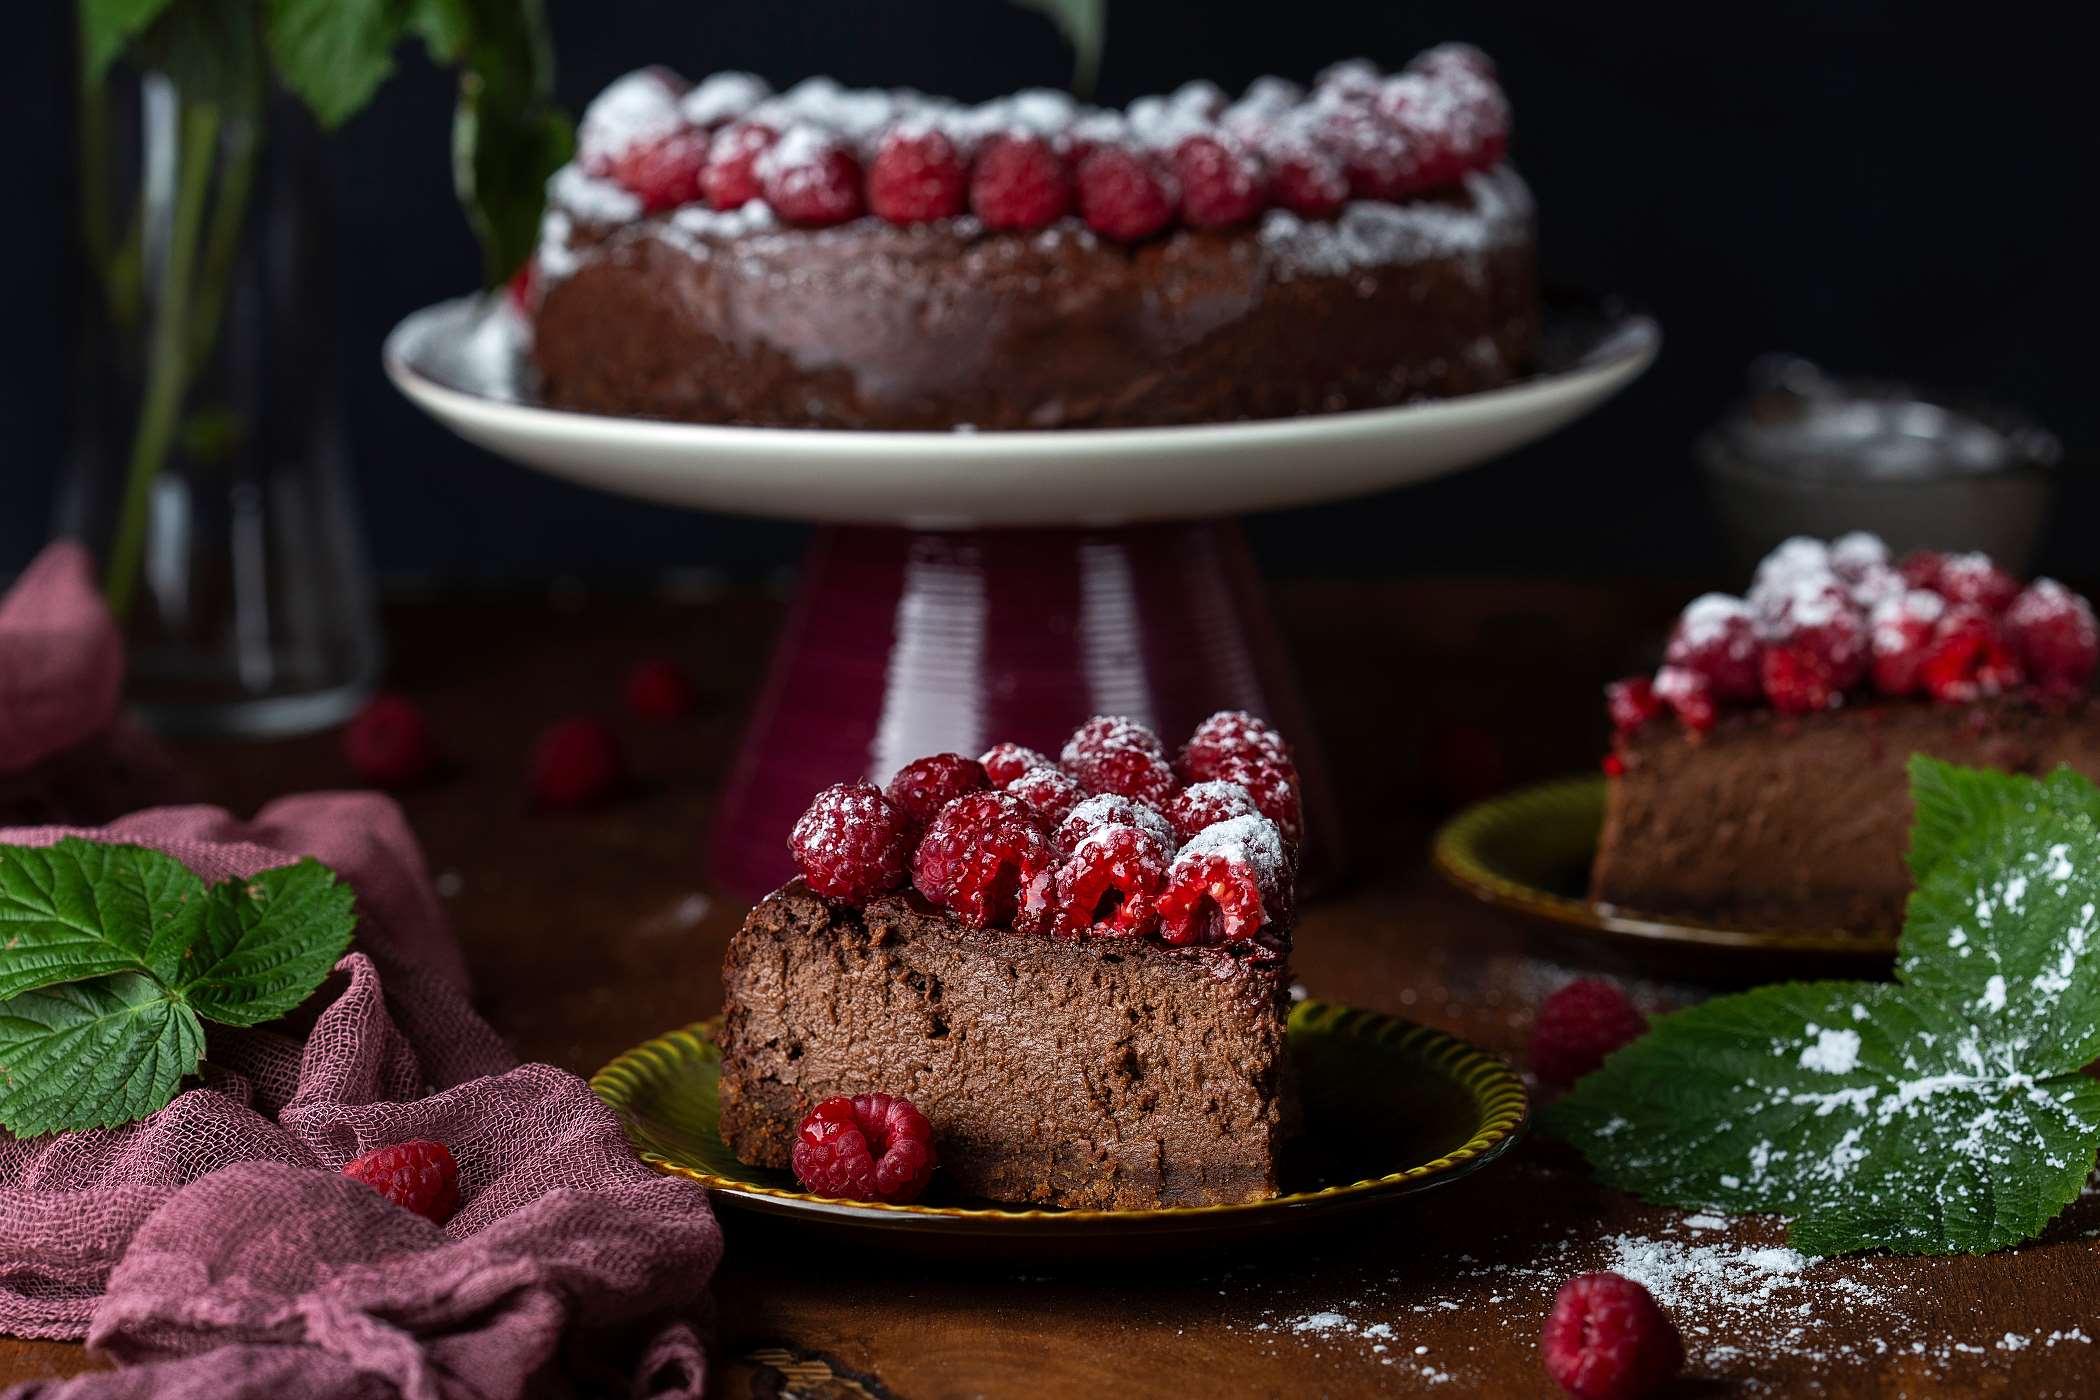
(589, 932)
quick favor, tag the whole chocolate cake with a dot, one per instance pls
(1760, 777)
(827, 258)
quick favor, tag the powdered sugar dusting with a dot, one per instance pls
(636, 108)
(1371, 234)
(1253, 842)
(723, 97)
(590, 199)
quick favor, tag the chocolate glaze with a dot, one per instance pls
(1101, 1073)
(1779, 822)
(724, 318)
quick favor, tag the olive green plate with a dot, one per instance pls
(1530, 851)
(1391, 1109)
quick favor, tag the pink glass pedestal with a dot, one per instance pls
(901, 643)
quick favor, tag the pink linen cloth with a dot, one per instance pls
(61, 660)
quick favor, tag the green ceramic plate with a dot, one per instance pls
(1530, 850)
(1391, 1109)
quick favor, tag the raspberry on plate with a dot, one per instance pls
(1230, 734)
(388, 742)
(1607, 1339)
(1205, 804)
(1969, 658)
(984, 857)
(1578, 1026)
(576, 762)
(876, 1147)
(1123, 194)
(1716, 637)
(917, 176)
(1632, 702)
(661, 689)
(1111, 754)
(853, 843)
(811, 178)
(1111, 809)
(1052, 792)
(1005, 762)
(730, 180)
(2053, 632)
(1108, 885)
(925, 785)
(419, 1176)
(1900, 630)
(1226, 885)
(1019, 183)
(1222, 182)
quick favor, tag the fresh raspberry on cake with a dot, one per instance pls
(1202, 805)
(1452, 120)
(1223, 183)
(419, 1176)
(1230, 734)
(1969, 657)
(1305, 176)
(1689, 695)
(1816, 647)
(1274, 787)
(984, 857)
(1374, 154)
(1112, 754)
(1052, 792)
(1350, 80)
(731, 179)
(1108, 885)
(1454, 56)
(1716, 638)
(1972, 579)
(1578, 1026)
(925, 785)
(663, 172)
(388, 742)
(1606, 1339)
(1921, 568)
(661, 689)
(1901, 631)
(1858, 555)
(1019, 183)
(917, 176)
(576, 763)
(1793, 559)
(811, 178)
(1226, 885)
(876, 1147)
(1112, 809)
(1123, 193)
(1632, 702)
(634, 113)
(2053, 632)
(1005, 762)
(722, 97)
(853, 843)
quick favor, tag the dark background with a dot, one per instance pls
(1868, 184)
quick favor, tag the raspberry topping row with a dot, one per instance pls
(820, 155)
(1824, 622)
(1115, 840)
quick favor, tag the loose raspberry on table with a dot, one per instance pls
(1205, 804)
(1969, 658)
(731, 180)
(388, 742)
(1111, 754)
(1716, 637)
(1578, 1026)
(419, 1176)
(1900, 630)
(1230, 734)
(1123, 194)
(661, 689)
(1274, 787)
(1607, 1339)
(1111, 809)
(917, 176)
(1632, 702)
(1973, 579)
(1052, 792)
(984, 857)
(1019, 183)
(2054, 633)
(853, 843)
(925, 785)
(1005, 762)
(1108, 885)
(876, 1147)
(1223, 183)
(811, 178)
(576, 762)
(1689, 695)
(1226, 885)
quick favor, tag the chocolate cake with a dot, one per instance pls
(824, 258)
(1760, 778)
(1084, 995)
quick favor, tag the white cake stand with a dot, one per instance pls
(972, 587)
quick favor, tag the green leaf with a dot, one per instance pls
(445, 26)
(265, 944)
(335, 53)
(507, 138)
(92, 1055)
(78, 909)
(1945, 1113)
(1084, 23)
(106, 26)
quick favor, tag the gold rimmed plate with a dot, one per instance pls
(1530, 851)
(1391, 1109)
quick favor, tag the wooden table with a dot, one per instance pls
(590, 932)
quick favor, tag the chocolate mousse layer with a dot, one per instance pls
(1775, 821)
(1103, 1073)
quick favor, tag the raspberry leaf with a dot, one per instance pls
(92, 1054)
(264, 944)
(78, 909)
(1948, 1112)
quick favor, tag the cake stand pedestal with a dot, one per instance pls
(975, 587)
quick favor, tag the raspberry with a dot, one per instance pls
(1900, 631)
(1373, 155)
(576, 763)
(1050, 791)
(811, 178)
(1454, 120)
(1607, 1340)
(731, 179)
(876, 1147)
(853, 843)
(388, 742)
(661, 689)
(1202, 805)
(1632, 702)
(1019, 183)
(1974, 580)
(1921, 568)
(1716, 637)
(917, 176)
(524, 287)
(419, 1176)
(1108, 885)
(1578, 1026)
(1274, 788)
(1817, 648)
(1796, 683)
(1690, 695)
(925, 785)
(1230, 734)
(1005, 762)
(1222, 182)
(985, 858)
(1351, 80)
(1122, 194)
(1110, 754)
(1307, 177)
(1226, 885)
(1858, 555)
(1795, 558)
(2053, 632)
(663, 173)
(1614, 766)
(1874, 585)
(1780, 603)
(1110, 809)
(1968, 658)
(723, 96)
(1450, 56)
